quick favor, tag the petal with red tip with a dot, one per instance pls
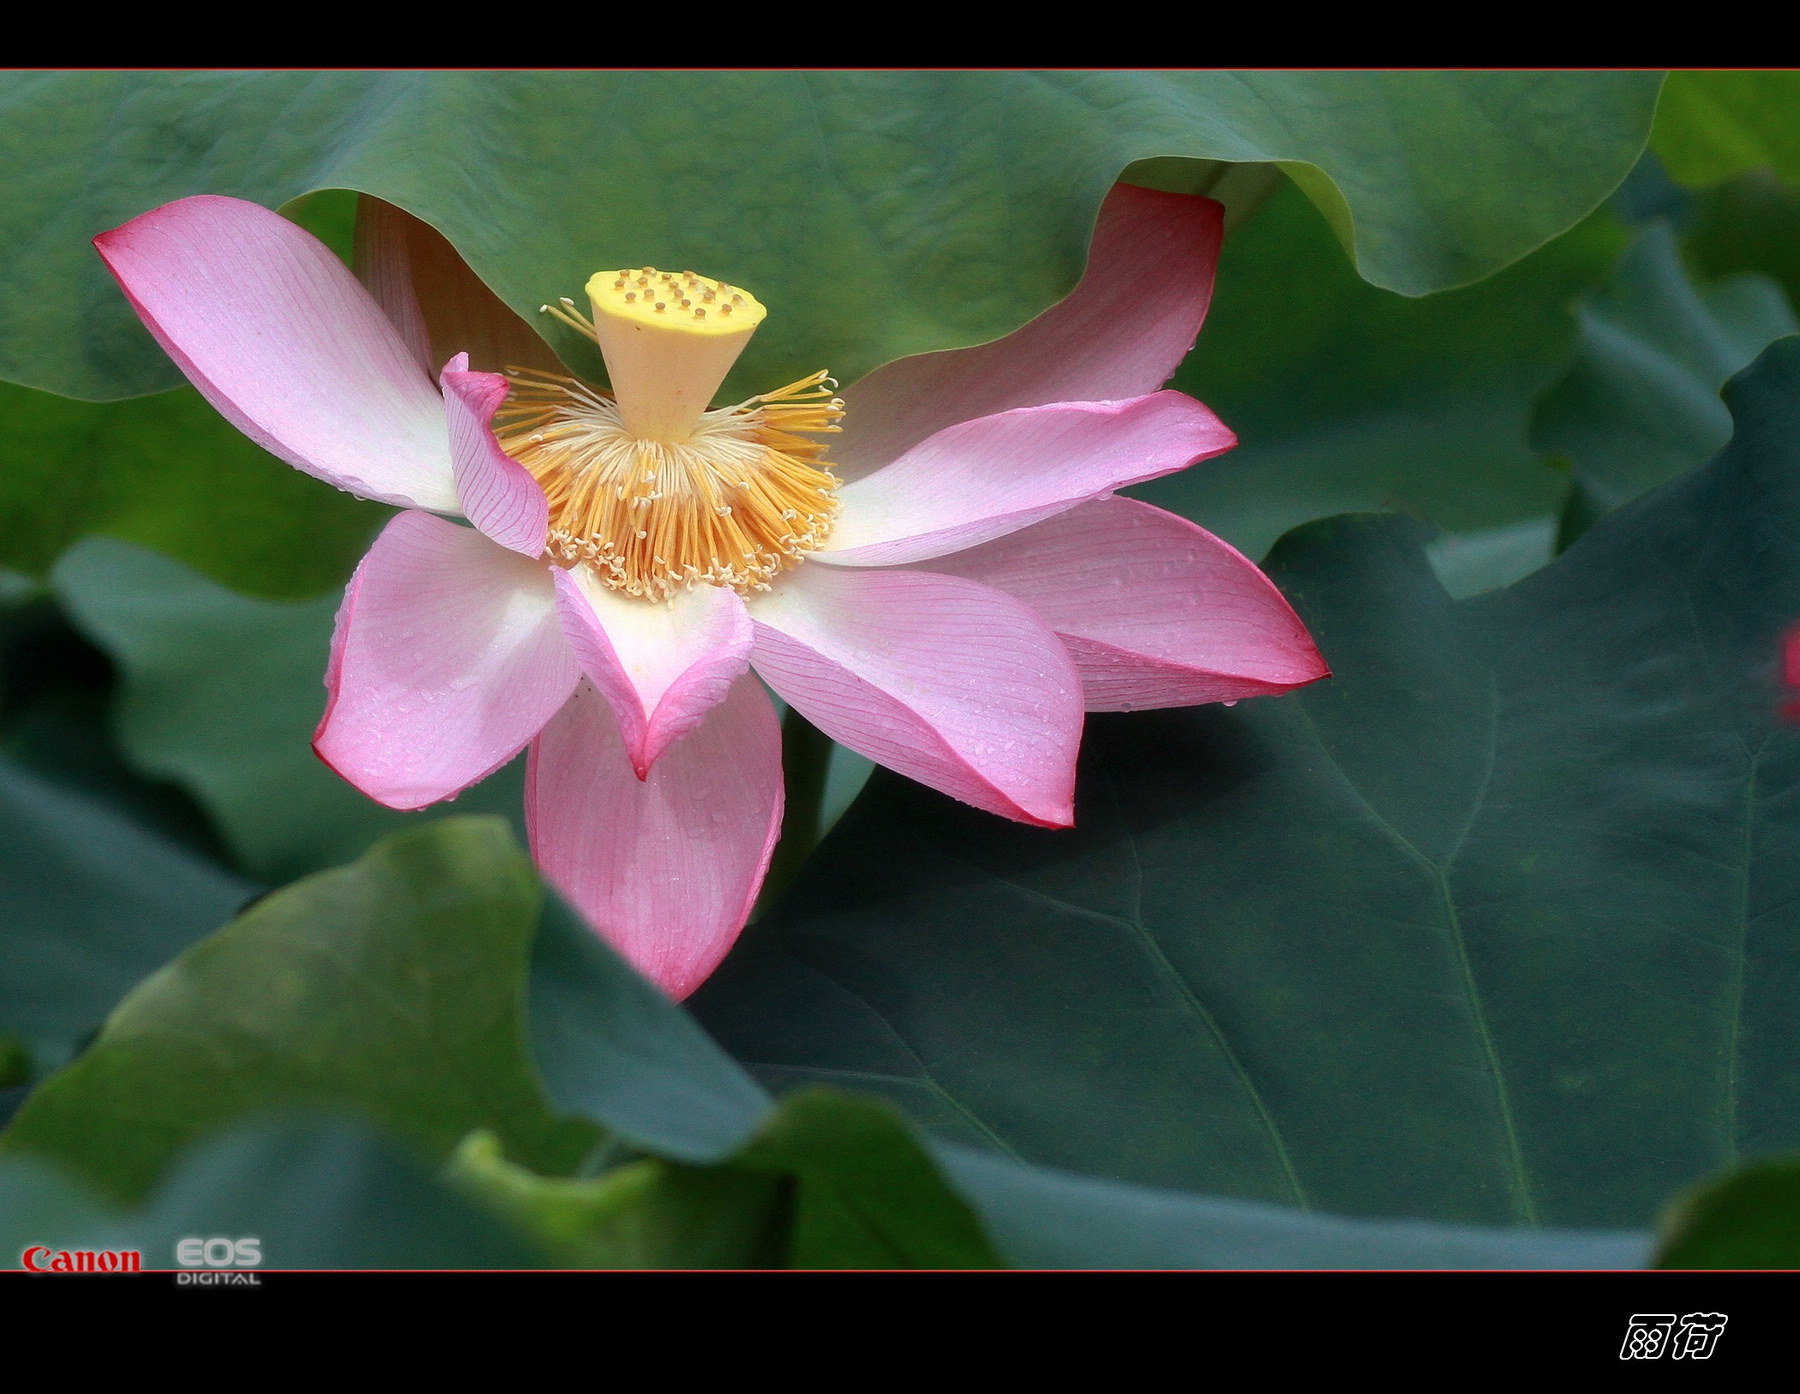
(1120, 333)
(983, 479)
(951, 683)
(1155, 611)
(285, 342)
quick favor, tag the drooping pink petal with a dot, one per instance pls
(951, 683)
(665, 868)
(1155, 611)
(982, 479)
(285, 342)
(661, 667)
(1120, 333)
(439, 306)
(447, 659)
(497, 493)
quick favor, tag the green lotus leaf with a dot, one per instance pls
(876, 213)
(1499, 925)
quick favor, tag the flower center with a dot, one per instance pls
(649, 488)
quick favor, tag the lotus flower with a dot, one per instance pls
(945, 589)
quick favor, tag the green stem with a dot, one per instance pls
(805, 761)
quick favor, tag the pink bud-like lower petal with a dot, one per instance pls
(983, 479)
(661, 667)
(1155, 611)
(448, 658)
(665, 868)
(1120, 333)
(497, 493)
(951, 683)
(285, 342)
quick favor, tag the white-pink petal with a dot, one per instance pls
(661, 667)
(497, 494)
(982, 479)
(448, 658)
(665, 868)
(1155, 611)
(1120, 333)
(951, 683)
(285, 342)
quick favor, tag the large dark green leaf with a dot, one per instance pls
(89, 904)
(221, 693)
(877, 213)
(1346, 397)
(615, 1050)
(1713, 125)
(611, 1047)
(1049, 1219)
(393, 987)
(1641, 402)
(1502, 923)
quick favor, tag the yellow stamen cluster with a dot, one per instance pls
(648, 487)
(741, 499)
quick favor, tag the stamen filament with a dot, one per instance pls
(745, 496)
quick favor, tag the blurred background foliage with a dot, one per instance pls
(1504, 310)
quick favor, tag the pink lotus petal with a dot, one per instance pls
(283, 340)
(951, 683)
(983, 479)
(447, 659)
(1155, 611)
(497, 493)
(667, 868)
(662, 667)
(1120, 333)
(439, 306)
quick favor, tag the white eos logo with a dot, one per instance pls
(219, 1253)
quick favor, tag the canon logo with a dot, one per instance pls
(40, 1258)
